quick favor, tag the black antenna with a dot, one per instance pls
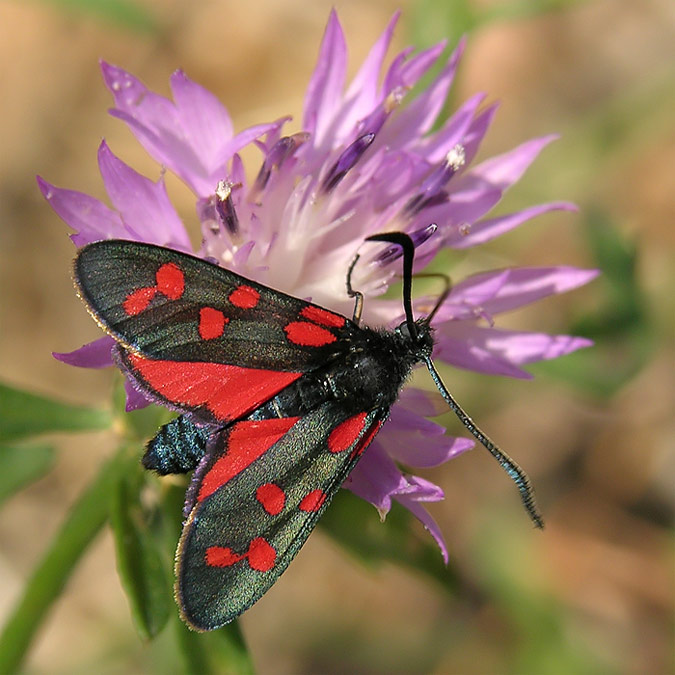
(518, 476)
(405, 242)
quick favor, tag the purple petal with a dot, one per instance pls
(362, 93)
(404, 73)
(376, 477)
(94, 354)
(476, 132)
(463, 206)
(417, 118)
(413, 505)
(521, 347)
(422, 446)
(135, 399)
(324, 91)
(436, 146)
(203, 118)
(422, 402)
(179, 136)
(144, 205)
(504, 170)
(167, 148)
(154, 120)
(239, 141)
(346, 161)
(505, 290)
(499, 352)
(485, 230)
(460, 350)
(91, 219)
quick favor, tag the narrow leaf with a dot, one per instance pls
(140, 563)
(23, 414)
(48, 579)
(21, 465)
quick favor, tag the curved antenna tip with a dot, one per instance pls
(517, 475)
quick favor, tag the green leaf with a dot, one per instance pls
(140, 561)
(21, 465)
(83, 523)
(220, 651)
(621, 327)
(23, 415)
(126, 13)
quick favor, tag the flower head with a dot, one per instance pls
(365, 160)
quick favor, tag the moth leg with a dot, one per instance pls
(443, 296)
(358, 304)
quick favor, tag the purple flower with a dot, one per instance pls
(365, 161)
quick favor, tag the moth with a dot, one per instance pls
(278, 399)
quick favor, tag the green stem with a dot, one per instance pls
(86, 518)
(219, 652)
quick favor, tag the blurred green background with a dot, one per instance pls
(594, 592)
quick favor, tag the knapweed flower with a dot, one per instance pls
(365, 161)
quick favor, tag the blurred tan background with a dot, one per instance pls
(601, 73)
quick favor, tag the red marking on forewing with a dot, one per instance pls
(211, 323)
(244, 297)
(344, 435)
(367, 438)
(219, 556)
(308, 334)
(322, 316)
(272, 498)
(246, 442)
(137, 301)
(227, 391)
(170, 281)
(261, 556)
(313, 501)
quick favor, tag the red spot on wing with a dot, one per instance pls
(246, 442)
(322, 316)
(211, 323)
(261, 556)
(272, 498)
(220, 556)
(228, 392)
(170, 281)
(345, 434)
(308, 334)
(244, 297)
(137, 301)
(313, 501)
(367, 438)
